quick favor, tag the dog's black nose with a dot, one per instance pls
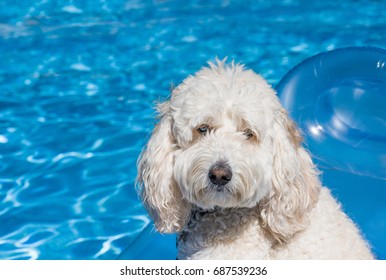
(220, 174)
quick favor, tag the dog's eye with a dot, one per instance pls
(248, 133)
(203, 129)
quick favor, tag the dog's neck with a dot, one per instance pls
(214, 224)
(208, 228)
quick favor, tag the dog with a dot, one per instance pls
(225, 169)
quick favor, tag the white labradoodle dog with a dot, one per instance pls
(226, 170)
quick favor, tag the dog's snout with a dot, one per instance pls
(220, 174)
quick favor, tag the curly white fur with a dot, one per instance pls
(273, 207)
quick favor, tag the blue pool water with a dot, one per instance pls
(78, 80)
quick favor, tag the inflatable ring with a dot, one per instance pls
(338, 98)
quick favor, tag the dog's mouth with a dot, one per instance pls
(218, 196)
(222, 189)
(219, 189)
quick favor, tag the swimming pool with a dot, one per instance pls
(78, 80)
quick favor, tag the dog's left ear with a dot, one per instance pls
(295, 184)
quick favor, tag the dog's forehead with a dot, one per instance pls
(228, 84)
(221, 99)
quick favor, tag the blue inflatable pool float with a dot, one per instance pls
(338, 99)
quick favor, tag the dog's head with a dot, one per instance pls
(224, 140)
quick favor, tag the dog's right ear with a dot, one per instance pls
(158, 189)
